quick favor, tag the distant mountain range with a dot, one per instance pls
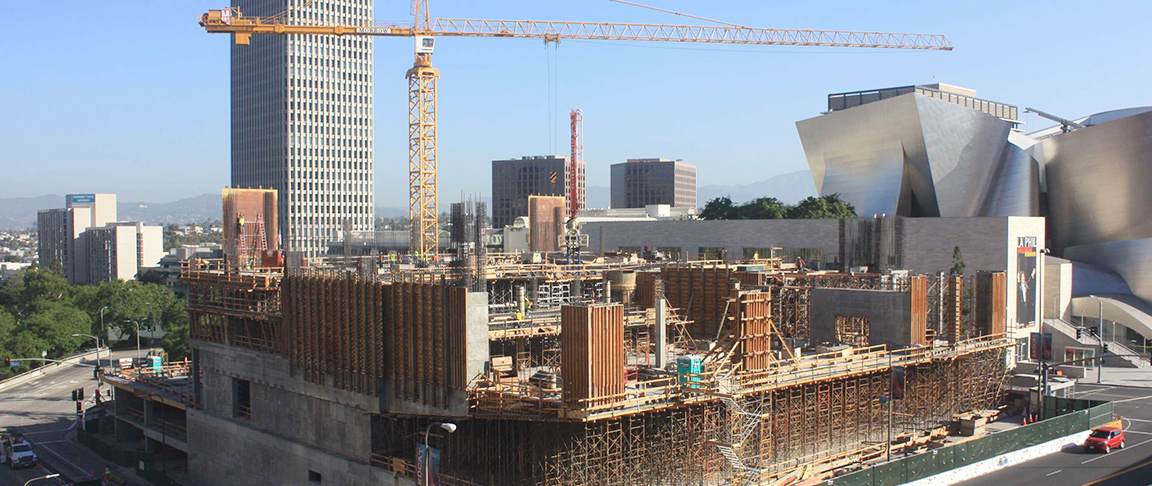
(789, 188)
(17, 213)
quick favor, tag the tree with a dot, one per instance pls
(176, 342)
(764, 208)
(957, 269)
(830, 206)
(54, 323)
(151, 276)
(11, 258)
(719, 208)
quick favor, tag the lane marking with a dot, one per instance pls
(1126, 431)
(1132, 399)
(1053, 472)
(1116, 451)
(1117, 473)
(58, 456)
(50, 431)
(1137, 420)
(1089, 392)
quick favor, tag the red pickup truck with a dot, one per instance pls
(1105, 439)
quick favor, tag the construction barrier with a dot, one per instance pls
(1068, 416)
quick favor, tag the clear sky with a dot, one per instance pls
(132, 97)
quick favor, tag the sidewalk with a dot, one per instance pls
(1141, 377)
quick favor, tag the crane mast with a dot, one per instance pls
(423, 211)
(422, 78)
(576, 164)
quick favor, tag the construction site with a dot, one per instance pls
(559, 366)
(612, 371)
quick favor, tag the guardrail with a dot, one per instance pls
(51, 368)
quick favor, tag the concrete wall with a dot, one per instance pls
(1057, 289)
(690, 236)
(227, 451)
(311, 415)
(890, 314)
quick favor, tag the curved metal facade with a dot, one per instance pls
(915, 155)
(1099, 182)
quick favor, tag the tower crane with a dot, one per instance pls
(422, 78)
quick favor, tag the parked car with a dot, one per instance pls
(1105, 439)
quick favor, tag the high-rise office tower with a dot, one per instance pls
(513, 180)
(302, 121)
(640, 182)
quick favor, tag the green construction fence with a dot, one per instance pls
(1066, 416)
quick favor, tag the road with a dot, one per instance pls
(44, 412)
(1074, 467)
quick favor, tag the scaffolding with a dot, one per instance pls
(755, 411)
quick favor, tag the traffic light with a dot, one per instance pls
(7, 362)
(1105, 347)
(1079, 333)
(75, 397)
(80, 394)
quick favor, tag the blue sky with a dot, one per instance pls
(134, 98)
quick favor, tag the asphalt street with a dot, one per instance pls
(44, 412)
(1131, 466)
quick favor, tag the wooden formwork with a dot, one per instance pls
(918, 287)
(953, 308)
(990, 303)
(359, 332)
(755, 348)
(336, 334)
(592, 353)
(702, 293)
(646, 288)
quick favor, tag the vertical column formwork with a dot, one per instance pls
(991, 307)
(592, 350)
(755, 330)
(953, 307)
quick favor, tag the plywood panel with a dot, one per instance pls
(592, 353)
(919, 303)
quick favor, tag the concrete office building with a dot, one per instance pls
(119, 250)
(63, 231)
(302, 121)
(640, 182)
(513, 180)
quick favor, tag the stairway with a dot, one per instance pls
(1090, 340)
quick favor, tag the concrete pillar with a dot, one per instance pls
(149, 413)
(520, 303)
(661, 333)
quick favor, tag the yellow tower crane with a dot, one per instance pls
(422, 78)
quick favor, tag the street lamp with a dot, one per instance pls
(50, 476)
(450, 427)
(137, 324)
(97, 348)
(1100, 337)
